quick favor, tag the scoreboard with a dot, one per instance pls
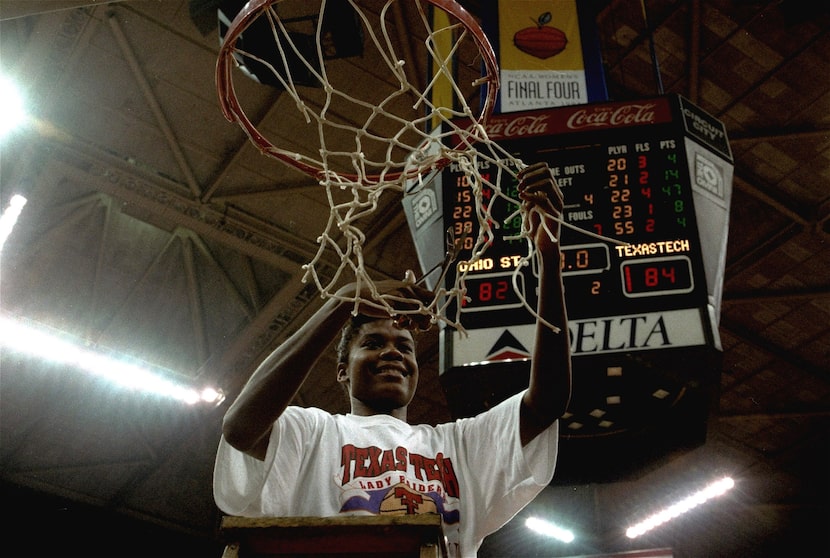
(647, 188)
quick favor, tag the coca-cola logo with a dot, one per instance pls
(527, 125)
(589, 117)
(604, 116)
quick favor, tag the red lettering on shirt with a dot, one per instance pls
(372, 462)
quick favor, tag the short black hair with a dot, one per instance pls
(347, 334)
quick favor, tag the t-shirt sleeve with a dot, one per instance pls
(239, 480)
(507, 475)
(540, 453)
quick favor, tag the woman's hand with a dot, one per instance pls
(405, 295)
(542, 202)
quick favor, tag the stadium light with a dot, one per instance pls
(12, 109)
(9, 217)
(549, 529)
(712, 490)
(28, 339)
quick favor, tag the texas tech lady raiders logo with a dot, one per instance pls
(398, 482)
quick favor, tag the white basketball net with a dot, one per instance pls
(390, 146)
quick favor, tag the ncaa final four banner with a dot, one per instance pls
(547, 52)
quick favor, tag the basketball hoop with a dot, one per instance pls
(411, 137)
(381, 140)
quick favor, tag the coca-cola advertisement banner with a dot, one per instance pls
(580, 118)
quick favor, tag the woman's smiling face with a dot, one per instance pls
(382, 369)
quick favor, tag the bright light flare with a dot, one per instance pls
(12, 110)
(9, 217)
(713, 490)
(549, 529)
(23, 338)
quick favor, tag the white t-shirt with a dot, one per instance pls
(474, 472)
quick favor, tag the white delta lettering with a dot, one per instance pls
(654, 248)
(618, 334)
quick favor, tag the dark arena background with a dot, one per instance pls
(156, 235)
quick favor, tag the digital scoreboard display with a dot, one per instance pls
(630, 243)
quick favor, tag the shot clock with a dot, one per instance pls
(582, 259)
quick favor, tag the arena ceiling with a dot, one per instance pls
(155, 229)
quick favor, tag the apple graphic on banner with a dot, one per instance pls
(541, 40)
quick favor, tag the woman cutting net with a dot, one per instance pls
(277, 459)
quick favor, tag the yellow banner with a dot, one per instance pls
(540, 54)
